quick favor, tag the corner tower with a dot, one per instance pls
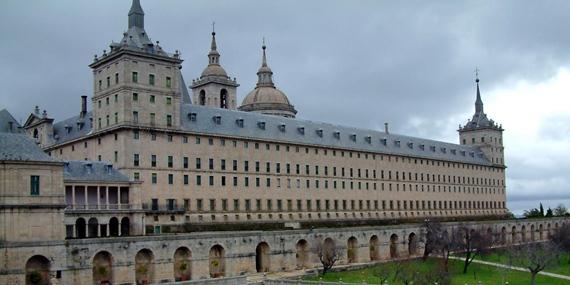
(214, 88)
(484, 133)
(137, 83)
(266, 98)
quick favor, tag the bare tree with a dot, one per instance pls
(471, 242)
(327, 251)
(431, 237)
(383, 271)
(535, 257)
(561, 237)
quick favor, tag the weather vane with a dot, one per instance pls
(213, 27)
(476, 73)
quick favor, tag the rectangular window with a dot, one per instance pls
(135, 77)
(169, 120)
(34, 185)
(185, 179)
(223, 164)
(135, 117)
(185, 162)
(152, 118)
(211, 164)
(168, 101)
(198, 180)
(152, 99)
(198, 163)
(168, 82)
(154, 178)
(153, 160)
(170, 179)
(135, 96)
(170, 161)
(116, 78)
(108, 81)
(151, 79)
(136, 159)
(136, 176)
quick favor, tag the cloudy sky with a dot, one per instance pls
(356, 63)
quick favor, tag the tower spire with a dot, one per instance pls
(264, 74)
(478, 101)
(213, 55)
(136, 15)
(213, 47)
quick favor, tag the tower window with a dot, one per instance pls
(168, 82)
(135, 77)
(34, 185)
(135, 96)
(151, 79)
(168, 101)
(152, 98)
(224, 99)
(116, 78)
(202, 98)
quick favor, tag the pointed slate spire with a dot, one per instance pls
(478, 102)
(214, 55)
(136, 15)
(264, 74)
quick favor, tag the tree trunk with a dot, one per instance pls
(532, 278)
(466, 262)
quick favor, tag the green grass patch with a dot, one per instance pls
(500, 256)
(477, 273)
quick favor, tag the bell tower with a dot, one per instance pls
(214, 88)
(484, 133)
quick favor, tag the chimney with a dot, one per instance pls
(83, 106)
(386, 128)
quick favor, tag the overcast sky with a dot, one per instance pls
(356, 63)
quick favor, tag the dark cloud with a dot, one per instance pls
(358, 63)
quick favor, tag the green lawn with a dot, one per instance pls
(477, 272)
(499, 256)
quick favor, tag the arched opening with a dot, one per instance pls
(412, 244)
(374, 248)
(37, 270)
(540, 232)
(503, 235)
(144, 267)
(352, 250)
(80, 228)
(114, 227)
(514, 234)
(490, 235)
(394, 246)
(217, 261)
(523, 233)
(35, 133)
(548, 230)
(182, 264)
(329, 249)
(262, 262)
(102, 268)
(224, 99)
(125, 226)
(202, 98)
(302, 254)
(92, 227)
(532, 233)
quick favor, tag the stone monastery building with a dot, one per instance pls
(202, 159)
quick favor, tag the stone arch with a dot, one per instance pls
(394, 246)
(352, 250)
(114, 227)
(202, 98)
(503, 235)
(302, 254)
(548, 228)
(374, 246)
(540, 232)
(224, 98)
(217, 261)
(144, 267)
(102, 268)
(412, 244)
(182, 264)
(329, 249)
(490, 235)
(514, 234)
(80, 228)
(532, 233)
(92, 227)
(38, 270)
(523, 233)
(262, 257)
(125, 226)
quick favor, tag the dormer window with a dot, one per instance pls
(422, 146)
(353, 137)
(67, 129)
(410, 144)
(472, 154)
(480, 155)
(397, 143)
(453, 151)
(444, 150)
(384, 141)
(282, 127)
(301, 130)
(261, 125)
(192, 117)
(319, 132)
(368, 139)
(217, 119)
(239, 122)
(462, 153)
(432, 148)
(336, 134)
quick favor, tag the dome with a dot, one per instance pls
(265, 95)
(214, 70)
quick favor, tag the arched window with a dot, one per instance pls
(102, 268)
(125, 226)
(202, 98)
(37, 270)
(144, 267)
(374, 248)
(35, 133)
(80, 228)
(92, 227)
(302, 254)
(262, 261)
(352, 250)
(114, 227)
(217, 261)
(224, 99)
(182, 264)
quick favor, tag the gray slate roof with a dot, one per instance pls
(5, 119)
(232, 123)
(92, 171)
(69, 129)
(20, 147)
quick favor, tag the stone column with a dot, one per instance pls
(107, 197)
(98, 197)
(119, 197)
(73, 198)
(85, 198)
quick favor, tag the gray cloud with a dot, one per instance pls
(358, 63)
